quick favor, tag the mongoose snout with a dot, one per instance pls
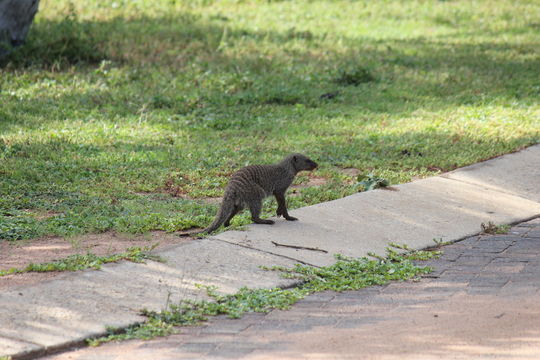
(313, 164)
(248, 187)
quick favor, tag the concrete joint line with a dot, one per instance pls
(9, 337)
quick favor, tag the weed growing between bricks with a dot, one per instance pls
(346, 274)
(491, 228)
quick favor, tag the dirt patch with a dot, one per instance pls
(350, 171)
(436, 169)
(175, 189)
(313, 181)
(22, 253)
(316, 181)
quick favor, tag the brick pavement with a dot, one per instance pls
(481, 302)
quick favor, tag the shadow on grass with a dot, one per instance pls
(211, 95)
(185, 65)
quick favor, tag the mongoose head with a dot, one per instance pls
(301, 162)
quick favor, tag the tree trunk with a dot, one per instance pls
(15, 19)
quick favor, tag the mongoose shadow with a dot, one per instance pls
(248, 187)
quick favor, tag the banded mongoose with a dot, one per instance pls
(251, 184)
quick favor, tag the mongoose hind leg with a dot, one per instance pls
(235, 211)
(255, 209)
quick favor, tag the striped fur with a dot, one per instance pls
(250, 185)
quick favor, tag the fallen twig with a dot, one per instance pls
(299, 247)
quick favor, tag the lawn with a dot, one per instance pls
(130, 115)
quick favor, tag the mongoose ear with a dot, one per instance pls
(294, 158)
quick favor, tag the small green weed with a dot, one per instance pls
(440, 243)
(345, 274)
(80, 262)
(491, 228)
(370, 182)
(13, 227)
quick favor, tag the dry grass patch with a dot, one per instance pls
(48, 249)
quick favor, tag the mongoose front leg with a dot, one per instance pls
(255, 209)
(282, 207)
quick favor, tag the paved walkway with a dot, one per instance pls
(481, 302)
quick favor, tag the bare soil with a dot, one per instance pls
(313, 181)
(20, 254)
(351, 171)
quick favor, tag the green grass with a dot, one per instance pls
(78, 262)
(346, 274)
(124, 115)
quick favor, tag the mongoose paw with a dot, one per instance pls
(261, 221)
(290, 218)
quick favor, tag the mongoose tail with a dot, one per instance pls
(251, 184)
(225, 213)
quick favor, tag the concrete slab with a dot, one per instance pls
(16, 346)
(81, 305)
(517, 173)
(415, 214)
(62, 311)
(228, 267)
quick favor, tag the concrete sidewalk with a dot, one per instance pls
(480, 302)
(75, 306)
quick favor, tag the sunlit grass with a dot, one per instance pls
(125, 115)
